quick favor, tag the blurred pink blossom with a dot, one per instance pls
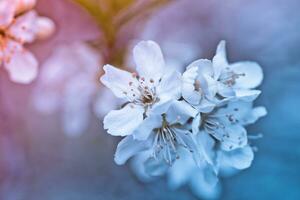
(15, 31)
(68, 81)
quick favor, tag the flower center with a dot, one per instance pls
(8, 48)
(197, 86)
(142, 92)
(214, 125)
(229, 77)
(166, 141)
(3, 45)
(147, 98)
(2, 33)
(2, 38)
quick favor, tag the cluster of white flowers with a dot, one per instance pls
(184, 124)
(20, 24)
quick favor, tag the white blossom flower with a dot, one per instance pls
(242, 113)
(150, 91)
(238, 78)
(203, 181)
(226, 123)
(195, 88)
(202, 178)
(161, 135)
(221, 80)
(15, 31)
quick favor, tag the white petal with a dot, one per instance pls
(205, 106)
(231, 136)
(204, 76)
(204, 185)
(220, 60)
(117, 80)
(22, 67)
(156, 167)
(206, 145)
(138, 167)
(181, 171)
(124, 121)
(240, 158)
(211, 87)
(247, 95)
(189, 92)
(149, 60)
(143, 131)
(170, 85)
(255, 114)
(252, 74)
(188, 139)
(237, 109)
(127, 148)
(196, 124)
(161, 106)
(180, 112)
(204, 67)
(225, 91)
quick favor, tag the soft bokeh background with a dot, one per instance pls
(38, 161)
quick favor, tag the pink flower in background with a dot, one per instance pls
(68, 82)
(17, 30)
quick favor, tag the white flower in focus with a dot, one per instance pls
(242, 113)
(149, 91)
(68, 81)
(15, 31)
(223, 81)
(195, 88)
(161, 135)
(203, 180)
(226, 124)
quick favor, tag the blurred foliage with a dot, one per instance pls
(116, 17)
